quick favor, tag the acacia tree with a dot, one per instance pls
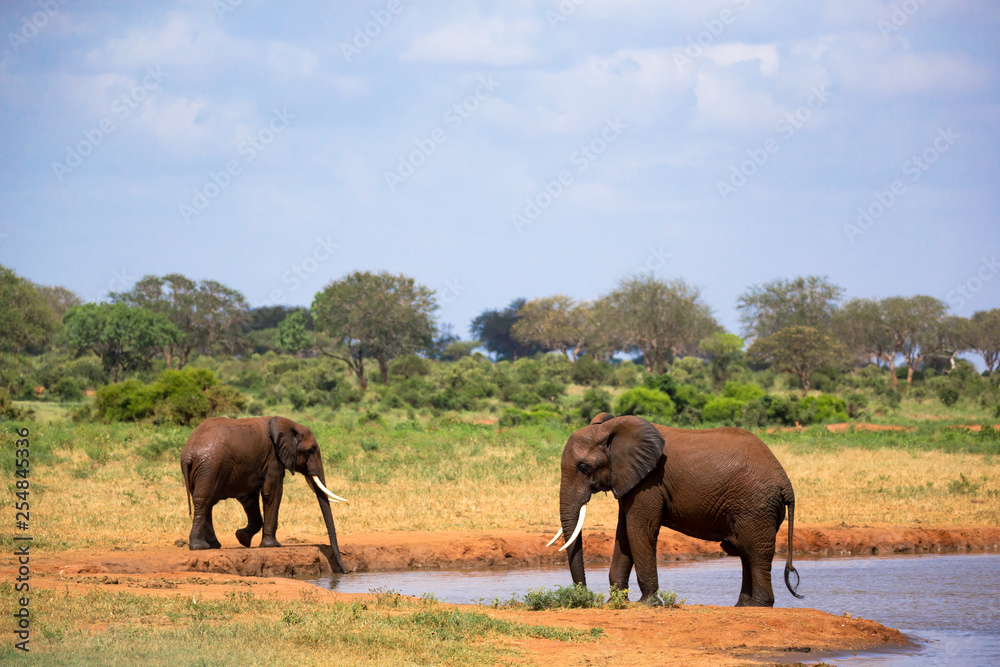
(808, 301)
(660, 319)
(26, 319)
(210, 317)
(125, 338)
(799, 350)
(723, 350)
(374, 315)
(494, 329)
(984, 336)
(954, 337)
(554, 323)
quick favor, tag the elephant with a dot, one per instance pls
(246, 459)
(720, 484)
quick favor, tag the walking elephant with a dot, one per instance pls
(720, 484)
(246, 459)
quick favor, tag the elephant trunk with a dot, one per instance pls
(331, 530)
(569, 516)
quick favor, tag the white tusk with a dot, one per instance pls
(554, 538)
(334, 497)
(579, 527)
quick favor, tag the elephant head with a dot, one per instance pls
(611, 454)
(297, 450)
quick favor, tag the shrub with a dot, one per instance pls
(948, 395)
(177, 396)
(7, 408)
(822, 409)
(589, 371)
(722, 409)
(68, 389)
(576, 596)
(595, 401)
(645, 402)
(743, 391)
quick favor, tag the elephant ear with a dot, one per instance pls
(601, 418)
(285, 438)
(634, 447)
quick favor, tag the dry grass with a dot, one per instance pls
(120, 485)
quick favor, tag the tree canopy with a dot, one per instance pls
(660, 319)
(557, 323)
(210, 317)
(808, 301)
(374, 315)
(124, 337)
(494, 329)
(28, 313)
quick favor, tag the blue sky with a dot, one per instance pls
(495, 150)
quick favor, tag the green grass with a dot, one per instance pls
(926, 436)
(102, 627)
(576, 596)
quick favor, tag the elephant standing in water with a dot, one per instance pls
(246, 459)
(720, 484)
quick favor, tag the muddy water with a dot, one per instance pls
(948, 604)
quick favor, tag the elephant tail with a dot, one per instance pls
(185, 471)
(789, 568)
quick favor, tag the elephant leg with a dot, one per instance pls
(200, 523)
(762, 595)
(642, 537)
(251, 505)
(747, 588)
(210, 537)
(271, 494)
(621, 560)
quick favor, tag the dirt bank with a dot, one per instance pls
(304, 555)
(691, 635)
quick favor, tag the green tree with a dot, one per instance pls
(493, 328)
(955, 336)
(210, 317)
(374, 315)
(27, 321)
(861, 324)
(125, 338)
(723, 350)
(556, 323)
(984, 337)
(799, 350)
(660, 319)
(292, 333)
(808, 301)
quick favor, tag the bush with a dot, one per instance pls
(595, 401)
(645, 402)
(723, 410)
(948, 395)
(589, 371)
(7, 408)
(177, 396)
(576, 596)
(68, 390)
(743, 391)
(822, 409)
(539, 414)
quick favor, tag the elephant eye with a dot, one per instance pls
(584, 468)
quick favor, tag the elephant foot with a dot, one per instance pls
(200, 545)
(269, 542)
(746, 601)
(244, 536)
(651, 600)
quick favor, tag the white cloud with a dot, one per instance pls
(730, 53)
(494, 41)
